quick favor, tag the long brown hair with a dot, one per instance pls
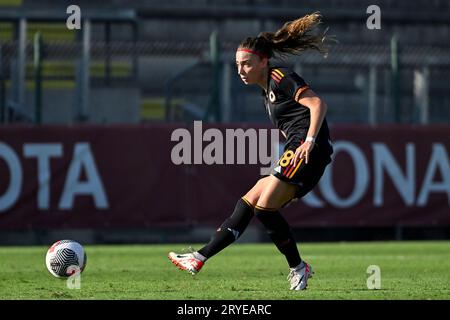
(293, 38)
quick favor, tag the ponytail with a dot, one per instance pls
(293, 38)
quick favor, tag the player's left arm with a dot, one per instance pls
(295, 86)
(318, 109)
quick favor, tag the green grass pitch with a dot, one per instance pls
(409, 270)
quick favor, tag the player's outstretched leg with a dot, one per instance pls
(230, 230)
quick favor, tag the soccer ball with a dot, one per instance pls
(65, 258)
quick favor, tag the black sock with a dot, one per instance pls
(280, 233)
(230, 230)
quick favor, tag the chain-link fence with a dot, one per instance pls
(361, 84)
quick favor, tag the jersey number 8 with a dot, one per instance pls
(286, 158)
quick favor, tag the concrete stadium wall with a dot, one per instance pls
(106, 105)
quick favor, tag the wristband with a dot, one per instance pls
(310, 139)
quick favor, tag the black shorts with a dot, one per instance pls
(304, 175)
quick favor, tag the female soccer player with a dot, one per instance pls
(299, 113)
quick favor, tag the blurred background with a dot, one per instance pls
(87, 117)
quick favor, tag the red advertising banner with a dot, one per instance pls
(179, 175)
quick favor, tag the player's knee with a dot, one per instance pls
(268, 204)
(251, 198)
(254, 194)
(254, 198)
